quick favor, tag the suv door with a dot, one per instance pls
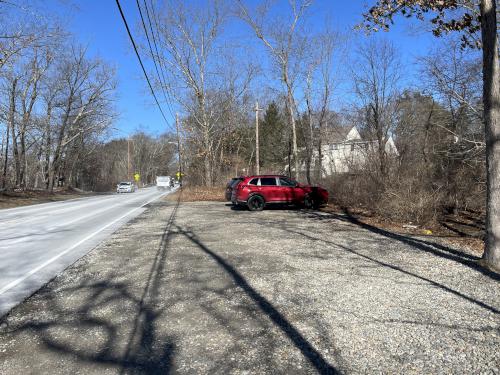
(268, 188)
(289, 192)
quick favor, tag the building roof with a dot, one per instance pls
(337, 134)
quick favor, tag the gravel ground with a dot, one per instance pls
(201, 288)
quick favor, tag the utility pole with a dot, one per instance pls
(178, 148)
(257, 150)
(128, 158)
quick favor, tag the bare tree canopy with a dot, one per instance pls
(473, 16)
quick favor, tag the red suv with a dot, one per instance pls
(257, 191)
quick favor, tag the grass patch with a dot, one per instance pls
(11, 199)
(198, 194)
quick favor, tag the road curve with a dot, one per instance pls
(38, 242)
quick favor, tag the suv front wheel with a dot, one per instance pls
(256, 203)
(310, 202)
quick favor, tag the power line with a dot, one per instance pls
(164, 85)
(140, 62)
(156, 46)
(162, 82)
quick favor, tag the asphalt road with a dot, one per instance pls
(38, 242)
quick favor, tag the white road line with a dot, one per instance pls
(48, 230)
(93, 213)
(62, 206)
(41, 206)
(54, 258)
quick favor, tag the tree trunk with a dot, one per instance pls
(310, 144)
(381, 139)
(12, 124)
(319, 162)
(48, 146)
(491, 101)
(6, 158)
(12, 112)
(207, 162)
(308, 167)
(54, 167)
(22, 156)
(294, 133)
(426, 135)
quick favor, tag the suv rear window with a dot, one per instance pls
(235, 182)
(254, 181)
(268, 181)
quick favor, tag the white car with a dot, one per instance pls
(125, 187)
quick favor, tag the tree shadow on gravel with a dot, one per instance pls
(300, 342)
(142, 337)
(80, 333)
(384, 263)
(429, 247)
(443, 324)
(68, 331)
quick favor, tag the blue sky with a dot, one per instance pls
(97, 23)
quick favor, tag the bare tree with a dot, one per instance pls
(56, 101)
(473, 16)
(454, 76)
(36, 68)
(286, 45)
(22, 26)
(10, 124)
(309, 139)
(85, 104)
(187, 37)
(376, 79)
(322, 75)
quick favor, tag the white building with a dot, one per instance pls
(345, 150)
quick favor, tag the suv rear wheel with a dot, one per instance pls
(256, 203)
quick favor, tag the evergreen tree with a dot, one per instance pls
(273, 140)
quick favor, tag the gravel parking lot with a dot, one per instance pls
(200, 288)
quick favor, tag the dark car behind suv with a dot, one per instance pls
(230, 185)
(256, 192)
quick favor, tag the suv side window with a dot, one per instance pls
(268, 181)
(286, 182)
(254, 181)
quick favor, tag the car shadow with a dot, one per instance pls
(270, 207)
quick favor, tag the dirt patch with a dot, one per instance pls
(11, 199)
(198, 194)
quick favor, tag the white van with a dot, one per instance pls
(163, 182)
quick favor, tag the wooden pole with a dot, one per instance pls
(128, 158)
(257, 151)
(178, 148)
